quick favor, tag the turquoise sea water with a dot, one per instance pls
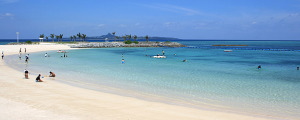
(229, 80)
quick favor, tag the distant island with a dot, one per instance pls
(110, 36)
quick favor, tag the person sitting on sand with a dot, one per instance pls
(26, 74)
(38, 78)
(52, 74)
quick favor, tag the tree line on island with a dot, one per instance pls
(82, 37)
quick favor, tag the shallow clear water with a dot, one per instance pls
(210, 75)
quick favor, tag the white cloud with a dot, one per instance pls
(123, 25)
(174, 9)
(101, 25)
(7, 15)
(169, 24)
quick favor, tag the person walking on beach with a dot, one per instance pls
(25, 50)
(20, 50)
(26, 74)
(2, 55)
(38, 78)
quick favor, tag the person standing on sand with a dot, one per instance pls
(25, 50)
(2, 55)
(20, 50)
(38, 78)
(26, 74)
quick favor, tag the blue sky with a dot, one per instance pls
(185, 19)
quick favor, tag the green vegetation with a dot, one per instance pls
(28, 42)
(21, 43)
(147, 38)
(136, 42)
(129, 42)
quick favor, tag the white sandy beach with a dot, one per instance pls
(28, 100)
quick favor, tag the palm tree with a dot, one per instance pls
(52, 36)
(124, 37)
(114, 35)
(71, 37)
(134, 37)
(147, 38)
(117, 37)
(47, 38)
(61, 36)
(129, 37)
(79, 35)
(83, 36)
(57, 37)
(42, 37)
(74, 36)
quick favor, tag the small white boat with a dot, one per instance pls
(159, 56)
(227, 50)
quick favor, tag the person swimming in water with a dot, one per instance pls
(123, 61)
(259, 67)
